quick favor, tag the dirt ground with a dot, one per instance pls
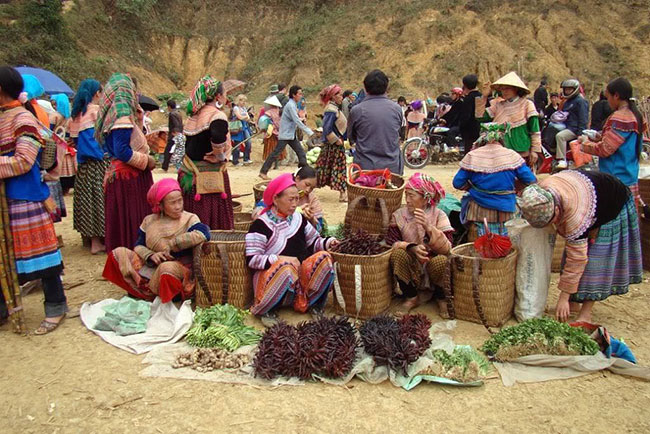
(71, 381)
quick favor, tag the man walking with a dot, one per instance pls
(469, 126)
(287, 135)
(175, 128)
(541, 97)
(374, 126)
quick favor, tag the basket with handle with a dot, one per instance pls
(220, 269)
(360, 215)
(368, 218)
(481, 290)
(363, 285)
(243, 221)
(258, 190)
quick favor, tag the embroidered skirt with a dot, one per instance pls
(269, 146)
(331, 168)
(125, 207)
(88, 201)
(35, 244)
(614, 258)
(212, 209)
(409, 270)
(283, 285)
(56, 193)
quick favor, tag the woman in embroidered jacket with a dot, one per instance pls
(291, 265)
(514, 109)
(330, 166)
(488, 174)
(161, 262)
(35, 247)
(88, 201)
(128, 178)
(595, 212)
(207, 148)
(420, 234)
(620, 144)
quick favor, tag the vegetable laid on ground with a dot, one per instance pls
(221, 326)
(464, 365)
(210, 359)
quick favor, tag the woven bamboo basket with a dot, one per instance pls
(370, 218)
(258, 190)
(644, 190)
(368, 295)
(222, 275)
(558, 252)
(237, 206)
(482, 290)
(644, 223)
(243, 221)
(472, 233)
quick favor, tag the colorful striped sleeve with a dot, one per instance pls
(256, 257)
(23, 159)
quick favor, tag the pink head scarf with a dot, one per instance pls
(159, 190)
(275, 187)
(328, 93)
(427, 187)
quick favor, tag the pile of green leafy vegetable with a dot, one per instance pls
(336, 231)
(221, 326)
(539, 336)
(464, 364)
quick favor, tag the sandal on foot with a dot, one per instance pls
(264, 176)
(47, 327)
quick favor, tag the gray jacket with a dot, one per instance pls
(290, 121)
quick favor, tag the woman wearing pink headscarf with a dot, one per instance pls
(331, 165)
(420, 234)
(161, 262)
(288, 256)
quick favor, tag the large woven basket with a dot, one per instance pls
(644, 223)
(558, 252)
(482, 290)
(258, 190)
(370, 217)
(222, 275)
(359, 208)
(363, 285)
(243, 221)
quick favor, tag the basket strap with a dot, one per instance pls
(385, 216)
(223, 254)
(476, 273)
(448, 289)
(337, 288)
(198, 271)
(349, 214)
(357, 288)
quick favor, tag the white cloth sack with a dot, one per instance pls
(167, 324)
(535, 254)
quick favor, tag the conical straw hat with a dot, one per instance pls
(273, 101)
(511, 79)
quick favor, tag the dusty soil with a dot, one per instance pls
(71, 381)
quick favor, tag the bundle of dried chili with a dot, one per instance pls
(277, 352)
(360, 243)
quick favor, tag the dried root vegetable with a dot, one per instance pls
(325, 347)
(539, 336)
(396, 344)
(361, 243)
(210, 359)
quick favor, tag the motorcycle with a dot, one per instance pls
(433, 146)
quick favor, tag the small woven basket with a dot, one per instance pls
(482, 290)
(243, 221)
(370, 218)
(363, 285)
(237, 206)
(222, 275)
(258, 190)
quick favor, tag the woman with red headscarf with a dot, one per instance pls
(288, 255)
(161, 262)
(420, 234)
(331, 161)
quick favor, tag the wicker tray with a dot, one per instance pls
(373, 294)
(243, 221)
(482, 290)
(258, 190)
(370, 218)
(221, 272)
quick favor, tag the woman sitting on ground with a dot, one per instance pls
(595, 212)
(161, 262)
(420, 234)
(488, 174)
(288, 256)
(308, 203)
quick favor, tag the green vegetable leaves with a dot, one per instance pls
(221, 326)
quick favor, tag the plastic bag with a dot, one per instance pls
(125, 317)
(535, 248)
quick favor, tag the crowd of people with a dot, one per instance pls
(149, 229)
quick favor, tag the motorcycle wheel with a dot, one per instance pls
(416, 153)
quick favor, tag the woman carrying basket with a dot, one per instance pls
(420, 234)
(595, 212)
(288, 256)
(161, 261)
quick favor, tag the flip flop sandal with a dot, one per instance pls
(47, 327)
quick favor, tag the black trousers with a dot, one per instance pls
(167, 156)
(294, 144)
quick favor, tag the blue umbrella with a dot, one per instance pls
(50, 81)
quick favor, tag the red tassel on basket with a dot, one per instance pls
(492, 246)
